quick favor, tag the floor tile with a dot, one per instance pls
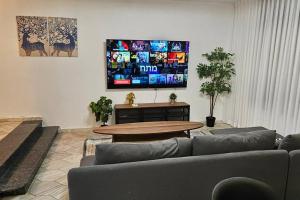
(42, 186)
(50, 175)
(57, 192)
(19, 197)
(44, 198)
(63, 180)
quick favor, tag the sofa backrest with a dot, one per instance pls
(131, 152)
(250, 141)
(227, 131)
(293, 183)
(290, 142)
(191, 178)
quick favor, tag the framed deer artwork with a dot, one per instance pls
(47, 36)
(63, 36)
(33, 36)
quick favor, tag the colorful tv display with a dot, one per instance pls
(146, 63)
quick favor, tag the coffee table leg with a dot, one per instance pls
(188, 133)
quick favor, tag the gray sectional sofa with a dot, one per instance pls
(176, 170)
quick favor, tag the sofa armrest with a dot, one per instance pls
(292, 190)
(87, 161)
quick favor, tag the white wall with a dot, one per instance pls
(60, 89)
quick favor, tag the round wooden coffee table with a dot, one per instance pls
(143, 131)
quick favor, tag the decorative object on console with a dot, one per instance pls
(173, 98)
(102, 109)
(130, 98)
(218, 72)
(42, 36)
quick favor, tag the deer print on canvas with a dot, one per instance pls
(32, 46)
(32, 36)
(63, 36)
(66, 47)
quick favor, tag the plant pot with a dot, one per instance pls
(210, 121)
(97, 115)
(104, 124)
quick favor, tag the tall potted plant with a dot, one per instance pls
(102, 109)
(217, 73)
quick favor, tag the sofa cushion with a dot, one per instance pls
(290, 142)
(237, 130)
(131, 152)
(184, 147)
(215, 144)
(246, 130)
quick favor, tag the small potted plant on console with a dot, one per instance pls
(173, 98)
(217, 73)
(102, 109)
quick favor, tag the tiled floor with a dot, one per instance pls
(51, 181)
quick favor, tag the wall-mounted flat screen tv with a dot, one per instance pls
(146, 63)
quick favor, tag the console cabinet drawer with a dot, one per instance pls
(134, 113)
(153, 111)
(178, 110)
(127, 120)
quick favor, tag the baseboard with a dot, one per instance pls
(76, 130)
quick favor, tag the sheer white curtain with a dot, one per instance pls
(266, 89)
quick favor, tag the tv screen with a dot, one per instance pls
(146, 63)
